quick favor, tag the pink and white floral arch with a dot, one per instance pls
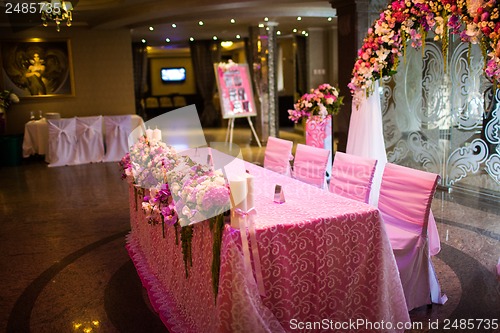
(475, 21)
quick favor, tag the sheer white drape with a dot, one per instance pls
(366, 137)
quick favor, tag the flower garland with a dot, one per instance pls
(181, 192)
(411, 20)
(322, 101)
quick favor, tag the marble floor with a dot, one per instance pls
(64, 267)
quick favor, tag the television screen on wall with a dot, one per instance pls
(173, 74)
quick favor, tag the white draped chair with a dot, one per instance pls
(310, 165)
(405, 201)
(117, 130)
(278, 155)
(62, 142)
(90, 145)
(352, 176)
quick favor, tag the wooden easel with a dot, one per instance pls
(230, 130)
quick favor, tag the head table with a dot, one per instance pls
(327, 265)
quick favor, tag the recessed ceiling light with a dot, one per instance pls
(174, 25)
(261, 25)
(266, 19)
(200, 22)
(214, 37)
(294, 30)
(299, 18)
(278, 32)
(226, 43)
(191, 39)
(306, 34)
(151, 28)
(167, 40)
(330, 18)
(238, 36)
(143, 40)
(267, 28)
(233, 21)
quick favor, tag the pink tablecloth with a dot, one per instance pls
(326, 261)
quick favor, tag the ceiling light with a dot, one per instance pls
(299, 18)
(330, 18)
(56, 11)
(200, 22)
(266, 19)
(261, 25)
(226, 44)
(151, 28)
(233, 21)
(294, 30)
(303, 32)
(214, 37)
(191, 39)
(278, 32)
(143, 40)
(167, 40)
(174, 25)
(238, 36)
(267, 28)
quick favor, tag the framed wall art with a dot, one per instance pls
(37, 68)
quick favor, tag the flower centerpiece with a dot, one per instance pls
(6, 99)
(321, 102)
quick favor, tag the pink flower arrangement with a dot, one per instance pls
(411, 20)
(322, 101)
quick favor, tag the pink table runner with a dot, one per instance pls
(326, 261)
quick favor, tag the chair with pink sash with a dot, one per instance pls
(352, 176)
(405, 205)
(62, 142)
(278, 155)
(310, 165)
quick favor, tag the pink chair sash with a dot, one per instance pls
(278, 155)
(310, 165)
(405, 201)
(352, 176)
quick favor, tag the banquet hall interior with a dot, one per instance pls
(64, 261)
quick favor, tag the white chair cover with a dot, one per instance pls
(352, 176)
(278, 155)
(62, 142)
(117, 130)
(405, 201)
(310, 165)
(90, 145)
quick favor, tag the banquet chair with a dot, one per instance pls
(404, 203)
(117, 130)
(278, 155)
(89, 145)
(62, 142)
(310, 165)
(352, 176)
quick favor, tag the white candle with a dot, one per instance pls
(238, 187)
(149, 133)
(157, 134)
(250, 190)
